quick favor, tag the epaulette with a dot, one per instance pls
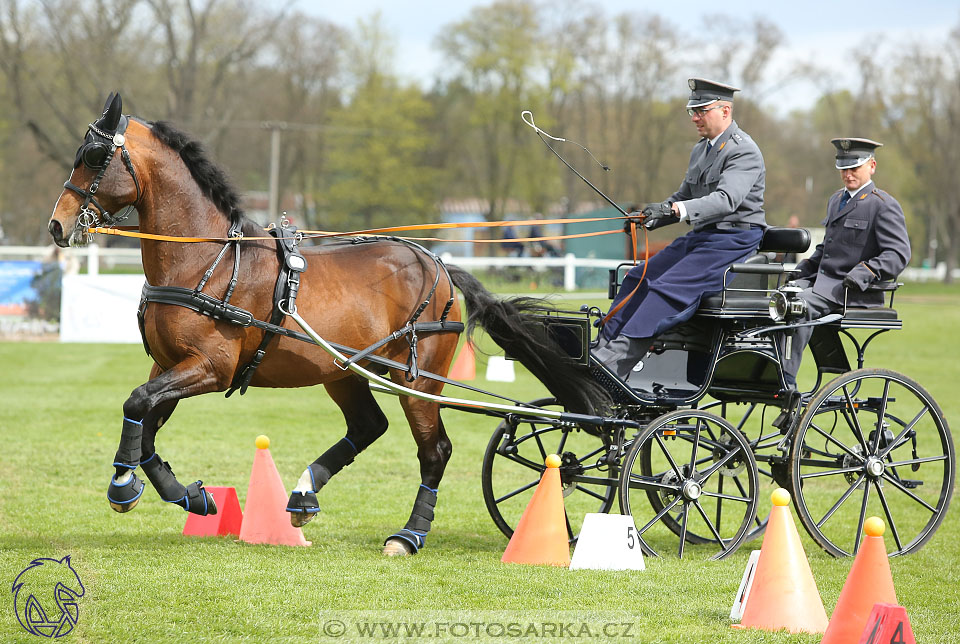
(877, 192)
(736, 137)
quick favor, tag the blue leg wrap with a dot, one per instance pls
(192, 498)
(417, 527)
(124, 496)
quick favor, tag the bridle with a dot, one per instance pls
(96, 153)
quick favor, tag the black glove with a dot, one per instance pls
(849, 282)
(634, 219)
(659, 214)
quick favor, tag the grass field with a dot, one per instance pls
(60, 416)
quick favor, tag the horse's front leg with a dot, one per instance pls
(144, 412)
(365, 424)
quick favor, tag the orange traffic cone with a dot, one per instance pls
(868, 583)
(465, 366)
(541, 534)
(265, 519)
(784, 594)
(226, 521)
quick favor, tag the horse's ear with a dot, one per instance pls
(106, 105)
(112, 112)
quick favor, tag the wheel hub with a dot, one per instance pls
(874, 467)
(691, 490)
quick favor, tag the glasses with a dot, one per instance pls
(700, 112)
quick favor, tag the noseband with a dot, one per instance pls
(97, 155)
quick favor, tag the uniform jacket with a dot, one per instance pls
(867, 240)
(725, 184)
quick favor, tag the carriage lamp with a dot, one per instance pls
(785, 303)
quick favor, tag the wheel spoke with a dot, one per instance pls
(835, 441)
(662, 513)
(863, 517)
(728, 497)
(719, 500)
(707, 473)
(585, 490)
(640, 482)
(842, 470)
(903, 489)
(668, 455)
(880, 416)
(897, 441)
(693, 451)
(850, 414)
(886, 512)
(683, 529)
(713, 528)
(840, 501)
(509, 495)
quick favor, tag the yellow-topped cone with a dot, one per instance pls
(868, 583)
(784, 594)
(541, 534)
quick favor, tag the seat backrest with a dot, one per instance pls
(785, 240)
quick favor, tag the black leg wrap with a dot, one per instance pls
(415, 532)
(192, 498)
(128, 453)
(123, 497)
(332, 461)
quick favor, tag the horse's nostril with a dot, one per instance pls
(56, 230)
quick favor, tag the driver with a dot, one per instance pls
(721, 199)
(865, 242)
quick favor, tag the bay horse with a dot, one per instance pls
(356, 294)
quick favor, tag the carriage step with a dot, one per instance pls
(911, 484)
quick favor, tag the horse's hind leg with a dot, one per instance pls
(144, 412)
(365, 424)
(433, 451)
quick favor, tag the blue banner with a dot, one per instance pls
(16, 287)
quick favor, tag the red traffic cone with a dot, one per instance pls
(868, 583)
(465, 366)
(784, 594)
(265, 519)
(226, 521)
(888, 623)
(541, 534)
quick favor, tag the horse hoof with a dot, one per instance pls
(302, 506)
(300, 519)
(397, 548)
(123, 497)
(123, 507)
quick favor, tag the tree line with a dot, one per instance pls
(361, 147)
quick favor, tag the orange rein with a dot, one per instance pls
(130, 231)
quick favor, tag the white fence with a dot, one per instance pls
(92, 258)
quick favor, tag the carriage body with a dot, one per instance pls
(716, 429)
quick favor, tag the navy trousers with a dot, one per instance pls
(677, 277)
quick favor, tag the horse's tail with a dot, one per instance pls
(508, 321)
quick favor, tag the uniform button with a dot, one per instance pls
(825, 255)
(821, 270)
(829, 239)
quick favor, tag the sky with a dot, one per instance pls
(815, 31)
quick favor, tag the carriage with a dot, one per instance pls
(715, 426)
(685, 444)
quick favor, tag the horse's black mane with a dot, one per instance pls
(213, 181)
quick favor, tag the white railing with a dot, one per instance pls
(569, 262)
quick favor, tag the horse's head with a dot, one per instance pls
(101, 183)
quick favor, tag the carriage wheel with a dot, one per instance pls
(513, 464)
(755, 420)
(872, 442)
(676, 482)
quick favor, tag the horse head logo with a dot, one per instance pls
(45, 595)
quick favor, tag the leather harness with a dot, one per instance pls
(292, 263)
